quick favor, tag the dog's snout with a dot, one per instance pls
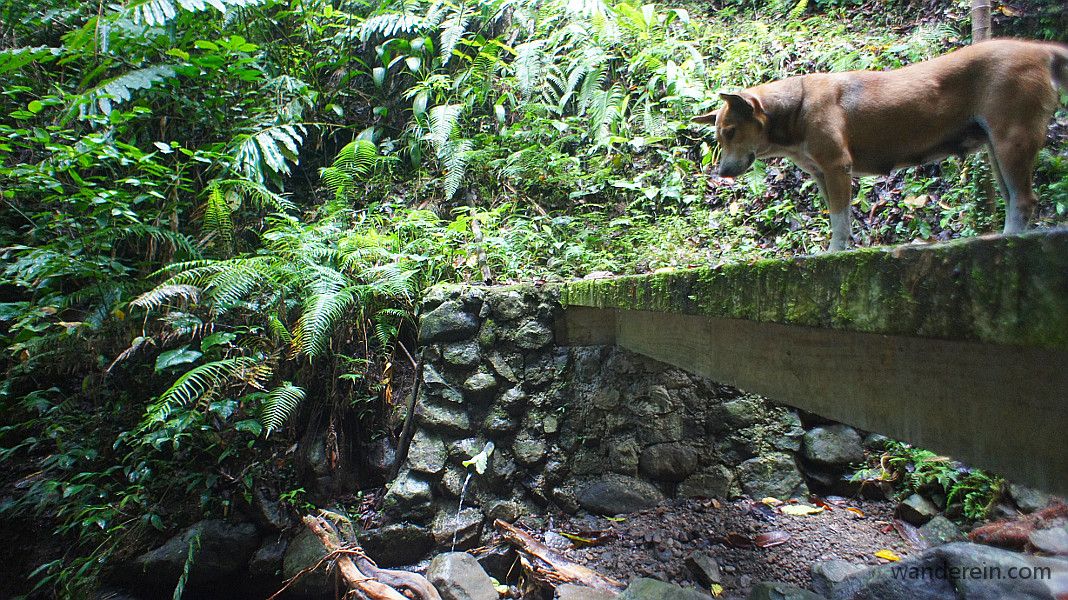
(734, 168)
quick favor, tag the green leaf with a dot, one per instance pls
(178, 356)
(35, 106)
(219, 338)
(223, 408)
(249, 425)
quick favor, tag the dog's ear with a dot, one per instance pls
(709, 118)
(744, 104)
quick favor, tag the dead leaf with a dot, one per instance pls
(771, 501)
(855, 511)
(1008, 12)
(717, 590)
(887, 555)
(617, 519)
(916, 201)
(588, 538)
(800, 510)
(771, 538)
(820, 503)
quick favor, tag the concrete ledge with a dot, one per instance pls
(998, 289)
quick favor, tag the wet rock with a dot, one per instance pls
(829, 573)
(225, 549)
(396, 544)
(916, 510)
(876, 442)
(790, 431)
(443, 418)
(623, 455)
(305, 551)
(448, 322)
(650, 589)
(705, 569)
(939, 530)
(668, 462)
(714, 483)
(618, 494)
(380, 455)
(1053, 540)
(1028, 499)
(498, 561)
(570, 591)
(269, 511)
(741, 413)
(513, 401)
(835, 446)
(480, 384)
(462, 354)
(458, 576)
(498, 421)
(661, 429)
(774, 475)
(408, 497)
(266, 562)
(505, 510)
(464, 526)
(507, 305)
(781, 591)
(426, 453)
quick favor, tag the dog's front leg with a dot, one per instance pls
(836, 186)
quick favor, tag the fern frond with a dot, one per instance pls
(528, 64)
(160, 295)
(217, 221)
(268, 151)
(443, 122)
(452, 29)
(456, 165)
(199, 381)
(316, 323)
(258, 194)
(278, 329)
(389, 25)
(280, 404)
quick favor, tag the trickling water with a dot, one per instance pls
(456, 521)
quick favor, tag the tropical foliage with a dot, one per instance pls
(216, 215)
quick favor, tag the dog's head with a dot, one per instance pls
(739, 130)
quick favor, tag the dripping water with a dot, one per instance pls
(459, 509)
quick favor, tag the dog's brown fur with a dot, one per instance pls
(1000, 93)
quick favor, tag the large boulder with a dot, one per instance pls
(462, 527)
(959, 570)
(426, 453)
(650, 589)
(781, 591)
(305, 551)
(458, 576)
(618, 494)
(570, 591)
(827, 574)
(409, 497)
(834, 446)
(225, 549)
(916, 510)
(714, 482)
(773, 474)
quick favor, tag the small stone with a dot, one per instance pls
(704, 568)
(1051, 541)
(500, 422)
(462, 354)
(408, 496)
(829, 573)
(741, 413)
(504, 510)
(550, 425)
(458, 576)
(513, 401)
(501, 365)
(507, 306)
(835, 446)
(446, 323)
(938, 531)
(916, 510)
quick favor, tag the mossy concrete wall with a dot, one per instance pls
(996, 289)
(959, 347)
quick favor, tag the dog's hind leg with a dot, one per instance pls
(1013, 151)
(837, 189)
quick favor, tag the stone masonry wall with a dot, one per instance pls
(594, 428)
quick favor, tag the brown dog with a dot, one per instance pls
(1000, 93)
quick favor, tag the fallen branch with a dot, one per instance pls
(362, 576)
(549, 568)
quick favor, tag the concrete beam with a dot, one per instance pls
(959, 348)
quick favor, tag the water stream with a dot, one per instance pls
(459, 509)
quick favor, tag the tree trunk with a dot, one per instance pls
(980, 20)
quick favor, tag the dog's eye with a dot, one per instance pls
(728, 134)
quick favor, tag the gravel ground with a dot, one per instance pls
(655, 542)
